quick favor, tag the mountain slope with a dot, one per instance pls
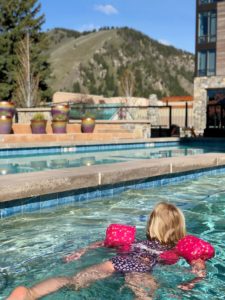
(94, 63)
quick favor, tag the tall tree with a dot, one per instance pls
(17, 19)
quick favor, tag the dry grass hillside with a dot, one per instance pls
(94, 63)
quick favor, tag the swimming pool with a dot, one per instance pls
(32, 246)
(70, 157)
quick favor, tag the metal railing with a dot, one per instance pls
(158, 116)
(124, 112)
(215, 116)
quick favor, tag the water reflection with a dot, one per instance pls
(8, 169)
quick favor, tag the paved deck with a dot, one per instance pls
(46, 182)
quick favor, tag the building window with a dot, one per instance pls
(207, 27)
(206, 1)
(206, 63)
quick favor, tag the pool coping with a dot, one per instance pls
(31, 185)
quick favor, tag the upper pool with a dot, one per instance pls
(32, 246)
(39, 159)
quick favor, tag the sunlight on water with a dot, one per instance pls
(32, 246)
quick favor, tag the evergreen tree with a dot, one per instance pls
(17, 19)
(76, 87)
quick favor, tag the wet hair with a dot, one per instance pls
(166, 224)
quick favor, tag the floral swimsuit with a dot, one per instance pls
(141, 258)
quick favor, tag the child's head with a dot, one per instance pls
(166, 224)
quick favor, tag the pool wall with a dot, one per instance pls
(32, 150)
(26, 193)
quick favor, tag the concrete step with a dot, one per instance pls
(69, 137)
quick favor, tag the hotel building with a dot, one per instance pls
(209, 82)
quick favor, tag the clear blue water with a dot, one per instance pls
(32, 246)
(23, 164)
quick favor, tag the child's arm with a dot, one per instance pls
(199, 269)
(77, 254)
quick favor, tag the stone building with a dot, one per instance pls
(209, 83)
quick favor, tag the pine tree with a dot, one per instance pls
(17, 18)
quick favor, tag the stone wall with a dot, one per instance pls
(60, 97)
(220, 45)
(201, 84)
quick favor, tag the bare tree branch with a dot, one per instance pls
(27, 81)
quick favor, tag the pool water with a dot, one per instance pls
(33, 163)
(32, 246)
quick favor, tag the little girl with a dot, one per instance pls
(165, 227)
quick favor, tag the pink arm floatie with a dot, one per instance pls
(120, 236)
(190, 248)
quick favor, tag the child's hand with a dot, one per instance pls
(198, 268)
(74, 256)
(96, 245)
(186, 286)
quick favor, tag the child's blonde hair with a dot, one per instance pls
(166, 224)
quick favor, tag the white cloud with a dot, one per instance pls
(88, 27)
(107, 9)
(165, 42)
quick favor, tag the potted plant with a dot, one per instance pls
(7, 107)
(5, 122)
(60, 109)
(38, 123)
(87, 123)
(59, 123)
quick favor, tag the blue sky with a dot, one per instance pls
(168, 21)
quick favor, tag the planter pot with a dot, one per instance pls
(59, 126)
(5, 124)
(87, 125)
(38, 126)
(7, 107)
(60, 109)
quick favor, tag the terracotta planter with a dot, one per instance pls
(87, 124)
(7, 107)
(60, 109)
(5, 124)
(59, 126)
(38, 126)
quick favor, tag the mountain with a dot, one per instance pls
(93, 62)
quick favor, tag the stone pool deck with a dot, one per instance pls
(30, 185)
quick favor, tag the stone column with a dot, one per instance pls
(153, 113)
(201, 85)
(199, 105)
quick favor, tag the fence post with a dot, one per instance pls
(207, 116)
(16, 116)
(186, 115)
(170, 116)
